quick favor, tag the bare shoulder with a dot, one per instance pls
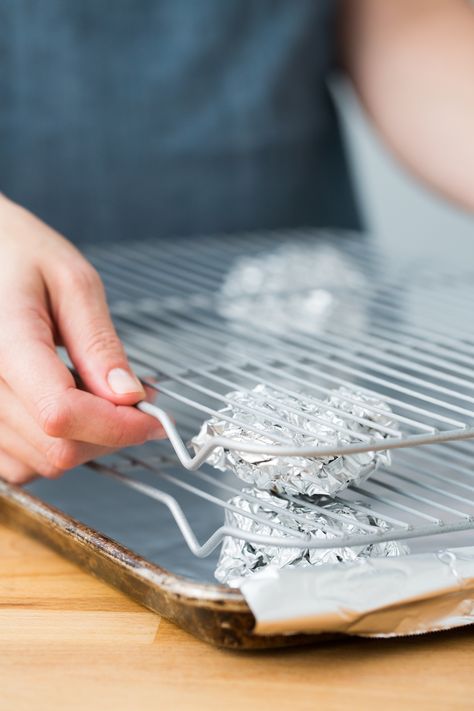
(373, 30)
(362, 21)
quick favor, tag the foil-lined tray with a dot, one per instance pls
(133, 542)
(368, 597)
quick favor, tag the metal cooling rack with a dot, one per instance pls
(415, 352)
(423, 372)
(426, 492)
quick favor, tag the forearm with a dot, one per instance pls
(412, 63)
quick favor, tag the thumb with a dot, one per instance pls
(82, 319)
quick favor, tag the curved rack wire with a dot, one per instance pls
(194, 462)
(190, 320)
(194, 338)
(428, 492)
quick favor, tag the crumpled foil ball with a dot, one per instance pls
(299, 475)
(295, 287)
(239, 559)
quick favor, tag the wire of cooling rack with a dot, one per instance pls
(414, 352)
(422, 372)
(428, 492)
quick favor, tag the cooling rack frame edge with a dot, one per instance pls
(213, 613)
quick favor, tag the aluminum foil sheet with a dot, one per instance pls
(413, 594)
(295, 287)
(298, 475)
(240, 558)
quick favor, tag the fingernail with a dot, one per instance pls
(121, 382)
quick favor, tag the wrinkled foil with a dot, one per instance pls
(239, 558)
(298, 475)
(409, 595)
(293, 288)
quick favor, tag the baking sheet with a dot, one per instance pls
(147, 528)
(144, 526)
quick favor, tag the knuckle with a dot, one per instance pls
(54, 417)
(103, 340)
(61, 455)
(120, 435)
(82, 277)
(126, 439)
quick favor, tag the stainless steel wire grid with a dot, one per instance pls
(426, 492)
(194, 330)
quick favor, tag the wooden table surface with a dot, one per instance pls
(68, 641)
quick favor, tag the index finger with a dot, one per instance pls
(31, 366)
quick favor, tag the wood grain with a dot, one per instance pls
(213, 613)
(68, 640)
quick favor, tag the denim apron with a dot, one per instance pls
(128, 119)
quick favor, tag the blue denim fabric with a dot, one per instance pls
(132, 118)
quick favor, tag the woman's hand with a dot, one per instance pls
(50, 295)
